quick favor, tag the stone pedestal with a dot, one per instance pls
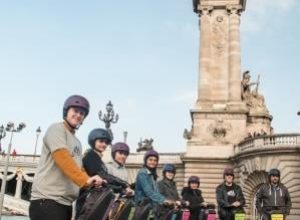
(259, 123)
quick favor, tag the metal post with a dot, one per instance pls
(2, 135)
(38, 132)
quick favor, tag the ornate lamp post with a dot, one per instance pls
(38, 132)
(10, 127)
(109, 117)
(2, 135)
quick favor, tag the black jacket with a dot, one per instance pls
(168, 189)
(268, 196)
(194, 197)
(224, 209)
(93, 165)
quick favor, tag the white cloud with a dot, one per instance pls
(262, 6)
(258, 13)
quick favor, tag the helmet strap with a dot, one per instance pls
(73, 127)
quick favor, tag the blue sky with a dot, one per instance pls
(142, 55)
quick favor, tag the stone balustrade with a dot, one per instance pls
(268, 142)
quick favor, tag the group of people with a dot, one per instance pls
(65, 175)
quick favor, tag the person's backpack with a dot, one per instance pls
(97, 204)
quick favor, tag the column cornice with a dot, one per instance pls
(234, 9)
(205, 10)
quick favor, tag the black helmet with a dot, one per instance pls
(76, 101)
(169, 168)
(193, 179)
(98, 133)
(274, 172)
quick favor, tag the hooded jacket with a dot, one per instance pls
(269, 196)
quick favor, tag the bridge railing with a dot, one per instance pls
(24, 158)
(268, 141)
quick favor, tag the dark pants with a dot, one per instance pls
(46, 209)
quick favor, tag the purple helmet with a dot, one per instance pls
(150, 153)
(76, 101)
(227, 172)
(193, 179)
(120, 146)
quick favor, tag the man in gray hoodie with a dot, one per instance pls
(273, 196)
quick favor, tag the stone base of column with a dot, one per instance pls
(218, 125)
(259, 123)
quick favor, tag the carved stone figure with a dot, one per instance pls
(219, 129)
(246, 85)
(187, 134)
(254, 100)
(145, 145)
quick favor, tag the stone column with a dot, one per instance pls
(234, 53)
(204, 83)
(19, 185)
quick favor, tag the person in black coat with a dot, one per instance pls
(193, 195)
(92, 163)
(230, 197)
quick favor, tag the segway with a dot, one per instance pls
(97, 204)
(239, 215)
(210, 212)
(142, 210)
(121, 208)
(275, 213)
(178, 213)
